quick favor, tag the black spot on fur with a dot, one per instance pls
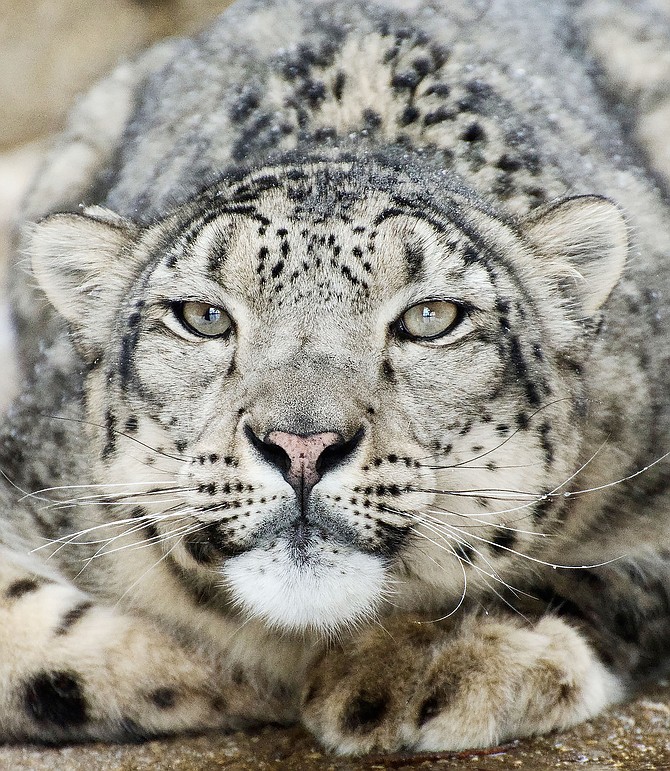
(209, 544)
(391, 538)
(247, 101)
(56, 698)
(110, 428)
(128, 343)
(365, 712)
(478, 94)
(438, 89)
(431, 707)
(522, 421)
(405, 80)
(372, 119)
(131, 425)
(163, 698)
(464, 551)
(470, 255)
(503, 538)
(439, 116)
(338, 85)
(440, 698)
(409, 115)
(422, 65)
(346, 272)
(508, 163)
(21, 587)
(546, 443)
(542, 508)
(72, 616)
(521, 368)
(389, 372)
(474, 133)
(414, 260)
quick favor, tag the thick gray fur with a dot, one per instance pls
(515, 464)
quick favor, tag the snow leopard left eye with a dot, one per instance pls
(203, 319)
(429, 320)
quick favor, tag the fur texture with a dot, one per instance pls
(414, 238)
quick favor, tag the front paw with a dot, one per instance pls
(415, 686)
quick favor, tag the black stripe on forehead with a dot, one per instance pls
(485, 254)
(451, 215)
(191, 230)
(414, 259)
(253, 189)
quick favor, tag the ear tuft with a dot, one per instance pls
(589, 235)
(83, 263)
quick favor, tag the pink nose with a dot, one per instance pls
(303, 453)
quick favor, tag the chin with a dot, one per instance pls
(317, 588)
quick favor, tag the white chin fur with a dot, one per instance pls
(324, 592)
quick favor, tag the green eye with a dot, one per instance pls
(430, 319)
(204, 319)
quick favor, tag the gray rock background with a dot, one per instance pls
(50, 50)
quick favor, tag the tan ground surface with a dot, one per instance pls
(49, 51)
(635, 738)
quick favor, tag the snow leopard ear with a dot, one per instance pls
(83, 263)
(589, 235)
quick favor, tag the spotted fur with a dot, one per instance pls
(478, 548)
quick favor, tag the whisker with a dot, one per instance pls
(503, 442)
(147, 571)
(183, 529)
(574, 493)
(494, 575)
(182, 459)
(72, 538)
(91, 486)
(581, 468)
(539, 561)
(482, 523)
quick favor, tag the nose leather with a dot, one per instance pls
(303, 453)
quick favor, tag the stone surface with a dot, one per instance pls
(634, 737)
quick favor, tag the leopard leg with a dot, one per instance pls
(417, 686)
(73, 669)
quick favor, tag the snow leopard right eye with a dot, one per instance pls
(203, 319)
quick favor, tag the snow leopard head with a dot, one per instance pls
(341, 386)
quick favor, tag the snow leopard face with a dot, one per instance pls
(334, 389)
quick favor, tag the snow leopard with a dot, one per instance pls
(344, 347)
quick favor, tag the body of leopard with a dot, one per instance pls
(348, 402)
